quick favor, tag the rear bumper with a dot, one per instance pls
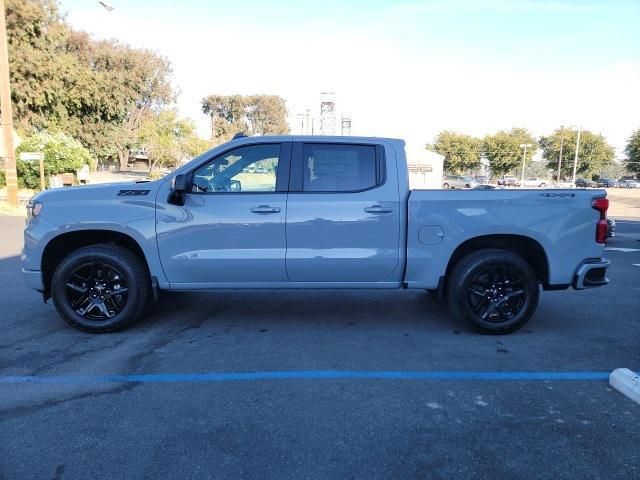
(591, 274)
(33, 279)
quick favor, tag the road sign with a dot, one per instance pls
(35, 157)
(31, 156)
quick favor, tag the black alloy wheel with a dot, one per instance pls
(494, 289)
(101, 288)
(496, 294)
(97, 291)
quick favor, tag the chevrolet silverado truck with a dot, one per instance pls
(308, 212)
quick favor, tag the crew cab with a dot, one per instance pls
(308, 212)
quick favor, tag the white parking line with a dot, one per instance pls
(622, 249)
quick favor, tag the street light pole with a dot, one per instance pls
(575, 159)
(524, 159)
(6, 116)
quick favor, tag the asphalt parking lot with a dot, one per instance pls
(458, 425)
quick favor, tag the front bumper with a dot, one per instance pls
(591, 274)
(33, 279)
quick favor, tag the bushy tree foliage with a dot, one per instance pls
(632, 151)
(594, 154)
(61, 154)
(97, 91)
(503, 152)
(253, 115)
(167, 138)
(461, 152)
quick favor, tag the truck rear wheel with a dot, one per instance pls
(494, 289)
(101, 288)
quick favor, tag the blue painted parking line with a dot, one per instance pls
(303, 375)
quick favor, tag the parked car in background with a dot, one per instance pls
(607, 183)
(611, 227)
(628, 184)
(508, 181)
(484, 186)
(457, 181)
(584, 183)
(536, 182)
(482, 179)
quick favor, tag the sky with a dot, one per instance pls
(405, 69)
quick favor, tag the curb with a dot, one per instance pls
(626, 382)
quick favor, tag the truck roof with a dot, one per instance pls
(313, 138)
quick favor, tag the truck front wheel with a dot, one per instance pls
(101, 288)
(494, 289)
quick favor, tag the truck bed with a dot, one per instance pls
(442, 221)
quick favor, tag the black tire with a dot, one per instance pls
(467, 186)
(125, 301)
(446, 185)
(494, 289)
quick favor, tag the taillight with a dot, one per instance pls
(601, 205)
(601, 231)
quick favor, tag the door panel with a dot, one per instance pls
(341, 236)
(229, 236)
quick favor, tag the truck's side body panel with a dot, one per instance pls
(109, 207)
(226, 237)
(561, 221)
(353, 237)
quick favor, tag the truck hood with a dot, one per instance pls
(101, 191)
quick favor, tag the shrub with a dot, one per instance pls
(156, 175)
(61, 154)
(3, 178)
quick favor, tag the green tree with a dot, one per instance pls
(461, 152)
(594, 154)
(253, 115)
(632, 151)
(39, 61)
(61, 154)
(97, 91)
(503, 152)
(169, 139)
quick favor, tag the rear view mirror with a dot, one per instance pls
(178, 189)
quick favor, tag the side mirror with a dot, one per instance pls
(179, 183)
(235, 186)
(178, 189)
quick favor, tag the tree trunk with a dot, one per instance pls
(123, 157)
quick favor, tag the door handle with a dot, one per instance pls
(378, 209)
(265, 209)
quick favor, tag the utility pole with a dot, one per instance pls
(560, 156)
(524, 159)
(6, 113)
(575, 159)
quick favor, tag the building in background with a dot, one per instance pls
(425, 167)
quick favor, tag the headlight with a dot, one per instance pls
(33, 209)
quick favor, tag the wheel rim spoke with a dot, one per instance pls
(77, 288)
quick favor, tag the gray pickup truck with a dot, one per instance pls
(308, 212)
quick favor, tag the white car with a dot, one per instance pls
(536, 182)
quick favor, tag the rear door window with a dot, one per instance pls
(338, 167)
